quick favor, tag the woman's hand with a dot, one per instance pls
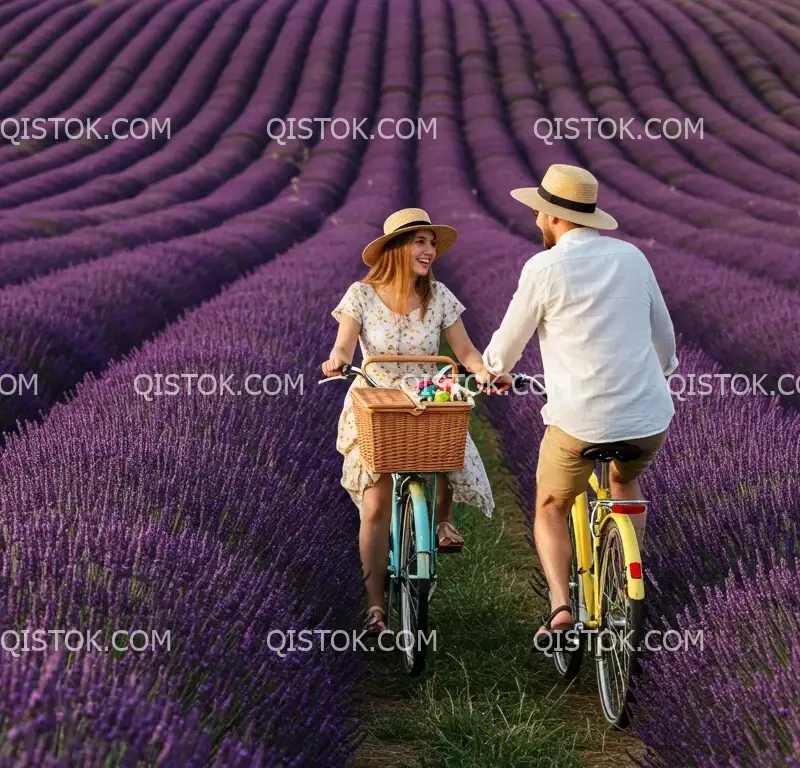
(492, 384)
(333, 365)
(471, 359)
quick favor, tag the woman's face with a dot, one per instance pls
(423, 251)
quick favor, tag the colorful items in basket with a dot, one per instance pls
(442, 390)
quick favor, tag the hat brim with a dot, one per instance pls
(445, 239)
(530, 196)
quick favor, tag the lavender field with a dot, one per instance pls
(221, 249)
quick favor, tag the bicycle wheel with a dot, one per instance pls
(622, 622)
(414, 590)
(569, 658)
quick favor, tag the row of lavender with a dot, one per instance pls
(720, 308)
(724, 173)
(673, 200)
(211, 170)
(201, 523)
(76, 321)
(224, 521)
(104, 239)
(722, 541)
(721, 548)
(218, 519)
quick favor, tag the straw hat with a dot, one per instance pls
(570, 193)
(407, 220)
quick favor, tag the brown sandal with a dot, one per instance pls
(548, 628)
(452, 541)
(373, 625)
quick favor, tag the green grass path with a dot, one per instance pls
(487, 701)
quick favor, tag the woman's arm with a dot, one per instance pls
(344, 347)
(463, 348)
(468, 355)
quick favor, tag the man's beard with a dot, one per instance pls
(548, 238)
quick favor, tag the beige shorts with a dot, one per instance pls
(564, 473)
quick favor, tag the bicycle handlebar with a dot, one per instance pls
(350, 371)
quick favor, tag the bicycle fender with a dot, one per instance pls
(422, 524)
(630, 547)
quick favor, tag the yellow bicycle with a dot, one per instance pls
(606, 587)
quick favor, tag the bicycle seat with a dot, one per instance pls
(620, 451)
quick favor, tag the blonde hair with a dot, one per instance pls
(393, 270)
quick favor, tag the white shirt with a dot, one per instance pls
(605, 334)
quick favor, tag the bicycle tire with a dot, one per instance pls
(615, 689)
(414, 592)
(568, 662)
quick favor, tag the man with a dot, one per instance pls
(607, 344)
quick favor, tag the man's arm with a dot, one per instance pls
(662, 332)
(519, 324)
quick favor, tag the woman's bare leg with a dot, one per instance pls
(444, 511)
(373, 540)
(444, 500)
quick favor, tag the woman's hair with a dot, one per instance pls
(393, 269)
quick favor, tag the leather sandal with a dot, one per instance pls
(548, 628)
(452, 541)
(375, 622)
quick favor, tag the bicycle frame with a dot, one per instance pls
(416, 485)
(588, 525)
(424, 525)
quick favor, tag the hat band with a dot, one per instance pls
(411, 224)
(570, 205)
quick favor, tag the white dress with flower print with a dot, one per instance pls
(384, 332)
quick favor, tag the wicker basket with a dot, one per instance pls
(396, 434)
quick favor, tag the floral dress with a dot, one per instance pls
(384, 332)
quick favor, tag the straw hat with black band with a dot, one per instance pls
(570, 193)
(407, 220)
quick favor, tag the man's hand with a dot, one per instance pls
(492, 384)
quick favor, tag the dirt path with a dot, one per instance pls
(486, 700)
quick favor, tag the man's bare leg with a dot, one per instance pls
(551, 533)
(630, 491)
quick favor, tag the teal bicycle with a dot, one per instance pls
(411, 575)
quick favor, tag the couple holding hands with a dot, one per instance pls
(607, 345)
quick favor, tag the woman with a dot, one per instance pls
(399, 309)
